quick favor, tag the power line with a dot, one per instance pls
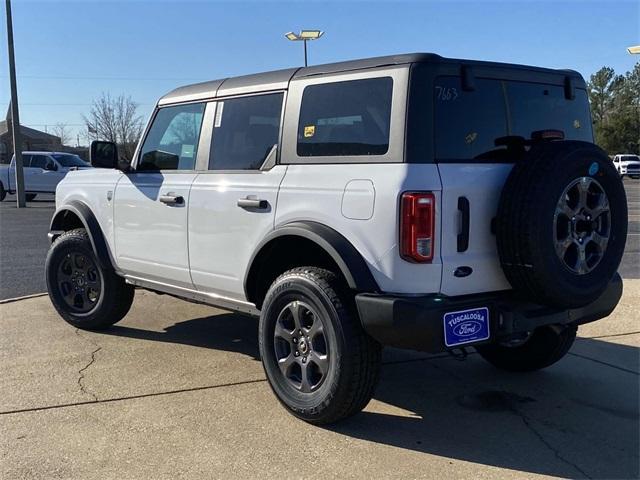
(52, 124)
(67, 104)
(73, 77)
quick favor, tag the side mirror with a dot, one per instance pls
(103, 154)
(51, 166)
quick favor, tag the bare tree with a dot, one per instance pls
(115, 120)
(62, 131)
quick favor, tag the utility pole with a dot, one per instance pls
(15, 119)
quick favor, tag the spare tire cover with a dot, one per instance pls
(562, 224)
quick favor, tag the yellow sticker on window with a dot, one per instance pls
(309, 131)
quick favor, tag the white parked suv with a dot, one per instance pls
(42, 172)
(627, 164)
(413, 201)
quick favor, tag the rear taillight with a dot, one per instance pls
(417, 221)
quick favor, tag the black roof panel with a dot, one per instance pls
(279, 79)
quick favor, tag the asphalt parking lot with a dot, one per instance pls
(176, 390)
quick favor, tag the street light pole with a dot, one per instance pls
(305, 52)
(304, 36)
(15, 119)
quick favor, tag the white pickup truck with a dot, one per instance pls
(42, 172)
(628, 165)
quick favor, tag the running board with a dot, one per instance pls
(195, 296)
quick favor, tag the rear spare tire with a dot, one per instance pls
(562, 224)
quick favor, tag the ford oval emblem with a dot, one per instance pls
(467, 328)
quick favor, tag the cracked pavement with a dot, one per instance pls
(176, 390)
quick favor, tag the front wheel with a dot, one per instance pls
(544, 347)
(320, 363)
(85, 294)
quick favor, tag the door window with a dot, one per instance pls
(245, 131)
(345, 118)
(38, 161)
(172, 141)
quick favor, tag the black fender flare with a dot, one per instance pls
(351, 264)
(91, 225)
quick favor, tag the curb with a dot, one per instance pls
(25, 297)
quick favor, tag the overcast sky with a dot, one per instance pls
(67, 53)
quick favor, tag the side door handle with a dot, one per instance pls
(463, 236)
(252, 201)
(171, 199)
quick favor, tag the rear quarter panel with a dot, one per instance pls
(318, 192)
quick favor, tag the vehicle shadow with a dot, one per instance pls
(218, 332)
(577, 419)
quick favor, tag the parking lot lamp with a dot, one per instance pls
(634, 50)
(304, 36)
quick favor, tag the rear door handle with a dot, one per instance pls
(463, 236)
(252, 201)
(172, 199)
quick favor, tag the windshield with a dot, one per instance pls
(630, 158)
(68, 160)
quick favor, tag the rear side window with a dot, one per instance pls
(536, 106)
(245, 131)
(468, 122)
(172, 141)
(345, 118)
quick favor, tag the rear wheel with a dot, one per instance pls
(544, 347)
(29, 197)
(86, 295)
(320, 363)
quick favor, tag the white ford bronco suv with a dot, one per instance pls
(413, 201)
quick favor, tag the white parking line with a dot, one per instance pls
(25, 297)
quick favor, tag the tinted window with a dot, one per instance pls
(172, 141)
(245, 131)
(38, 161)
(67, 160)
(467, 123)
(345, 118)
(536, 106)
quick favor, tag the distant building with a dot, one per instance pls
(32, 139)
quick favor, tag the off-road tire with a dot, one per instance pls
(115, 298)
(543, 348)
(354, 357)
(525, 223)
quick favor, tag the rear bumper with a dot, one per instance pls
(416, 323)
